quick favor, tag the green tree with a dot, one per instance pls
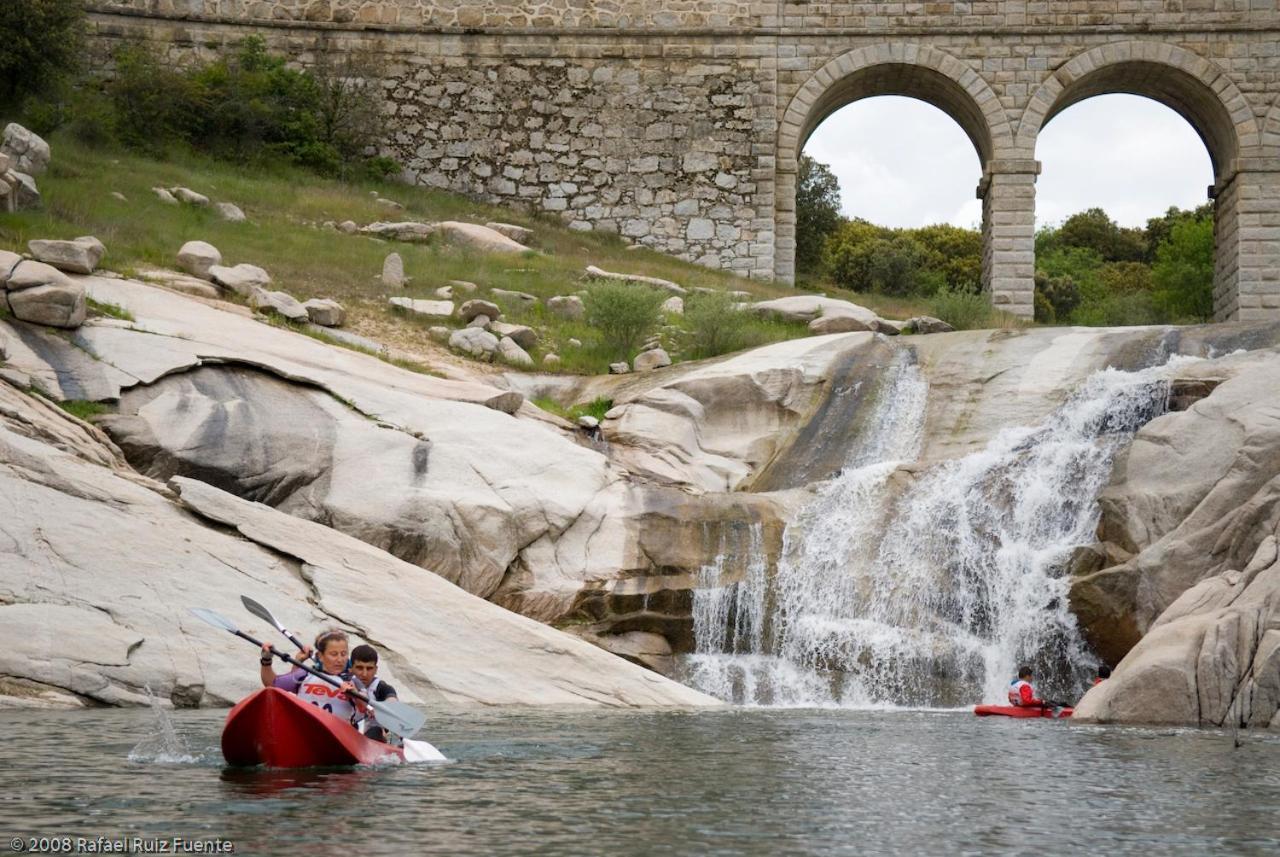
(1159, 228)
(1095, 230)
(41, 43)
(1183, 272)
(847, 254)
(817, 212)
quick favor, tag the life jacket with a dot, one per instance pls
(319, 692)
(1015, 691)
(1097, 681)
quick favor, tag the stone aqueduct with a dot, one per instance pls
(679, 123)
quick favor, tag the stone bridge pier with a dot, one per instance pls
(679, 123)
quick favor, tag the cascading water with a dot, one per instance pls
(933, 598)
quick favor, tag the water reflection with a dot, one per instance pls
(740, 782)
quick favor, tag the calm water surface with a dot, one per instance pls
(751, 782)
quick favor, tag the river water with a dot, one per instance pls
(731, 782)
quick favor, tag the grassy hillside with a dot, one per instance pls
(285, 207)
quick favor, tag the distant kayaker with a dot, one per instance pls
(333, 646)
(1021, 693)
(1104, 673)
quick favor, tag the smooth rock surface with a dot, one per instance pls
(78, 256)
(407, 231)
(98, 565)
(241, 279)
(480, 238)
(567, 306)
(480, 344)
(522, 335)
(28, 152)
(475, 307)
(512, 353)
(427, 309)
(230, 212)
(189, 196)
(198, 258)
(282, 303)
(393, 272)
(654, 358)
(595, 273)
(519, 234)
(325, 312)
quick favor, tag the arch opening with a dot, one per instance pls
(911, 71)
(1186, 89)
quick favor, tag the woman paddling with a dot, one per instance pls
(332, 646)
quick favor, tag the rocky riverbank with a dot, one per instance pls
(230, 456)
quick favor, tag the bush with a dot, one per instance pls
(623, 313)
(41, 42)
(1055, 298)
(964, 310)
(715, 326)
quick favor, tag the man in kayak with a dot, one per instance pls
(332, 646)
(364, 667)
(1022, 694)
(1104, 673)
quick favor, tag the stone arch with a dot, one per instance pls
(1203, 94)
(1189, 84)
(915, 71)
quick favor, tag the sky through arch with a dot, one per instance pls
(904, 163)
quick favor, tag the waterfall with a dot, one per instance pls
(926, 589)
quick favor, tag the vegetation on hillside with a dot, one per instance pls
(1089, 270)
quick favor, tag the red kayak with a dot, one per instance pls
(1021, 711)
(275, 728)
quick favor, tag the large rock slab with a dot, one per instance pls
(78, 256)
(1211, 659)
(98, 566)
(407, 231)
(810, 308)
(477, 342)
(41, 294)
(28, 152)
(1192, 498)
(427, 309)
(198, 257)
(595, 273)
(241, 279)
(482, 239)
(281, 303)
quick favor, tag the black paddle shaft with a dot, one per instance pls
(325, 677)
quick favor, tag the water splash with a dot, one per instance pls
(164, 745)
(933, 598)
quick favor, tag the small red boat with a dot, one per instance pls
(1021, 711)
(275, 728)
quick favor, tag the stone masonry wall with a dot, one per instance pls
(678, 123)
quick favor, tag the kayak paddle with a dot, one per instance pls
(397, 717)
(265, 615)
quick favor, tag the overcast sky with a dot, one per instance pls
(902, 162)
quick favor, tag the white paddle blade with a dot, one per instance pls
(258, 610)
(214, 619)
(402, 719)
(421, 751)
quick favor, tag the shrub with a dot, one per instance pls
(1055, 298)
(715, 326)
(623, 314)
(964, 310)
(41, 42)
